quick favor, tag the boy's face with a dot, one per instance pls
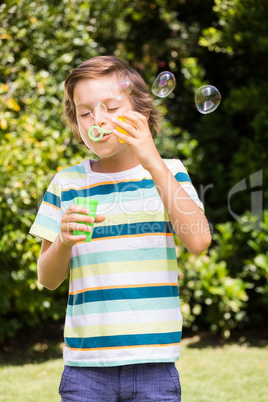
(88, 92)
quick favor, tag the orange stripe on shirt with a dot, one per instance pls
(145, 285)
(51, 205)
(123, 347)
(103, 183)
(122, 236)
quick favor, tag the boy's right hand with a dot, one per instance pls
(71, 216)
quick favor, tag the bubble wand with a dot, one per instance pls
(96, 133)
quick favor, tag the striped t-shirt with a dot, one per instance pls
(123, 305)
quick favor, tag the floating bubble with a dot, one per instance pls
(207, 99)
(164, 84)
(98, 112)
(121, 90)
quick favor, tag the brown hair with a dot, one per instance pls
(98, 66)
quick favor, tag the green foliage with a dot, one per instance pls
(235, 47)
(228, 287)
(34, 144)
(221, 42)
(211, 299)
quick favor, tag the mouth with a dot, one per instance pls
(95, 133)
(106, 135)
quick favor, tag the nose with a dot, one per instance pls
(101, 121)
(99, 113)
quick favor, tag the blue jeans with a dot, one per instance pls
(155, 382)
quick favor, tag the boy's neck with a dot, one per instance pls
(115, 164)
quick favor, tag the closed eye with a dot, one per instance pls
(112, 109)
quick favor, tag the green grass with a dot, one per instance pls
(31, 382)
(210, 370)
(229, 373)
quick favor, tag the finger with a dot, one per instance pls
(77, 223)
(79, 218)
(76, 208)
(127, 138)
(76, 238)
(116, 122)
(137, 119)
(99, 218)
(129, 128)
(87, 218)
(82, 228)
(69, 227)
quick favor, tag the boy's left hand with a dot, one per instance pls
(139, 138)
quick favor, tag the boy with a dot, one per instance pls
(123, 321)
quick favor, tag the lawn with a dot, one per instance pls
(210, 370)
(231, 372)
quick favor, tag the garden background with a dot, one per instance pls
(219, 42)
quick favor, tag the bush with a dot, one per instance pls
(202, 42)
(228, 287)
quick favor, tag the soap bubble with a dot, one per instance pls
(121, 90)
(164, 84)
(207, 99)
(98, 112)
